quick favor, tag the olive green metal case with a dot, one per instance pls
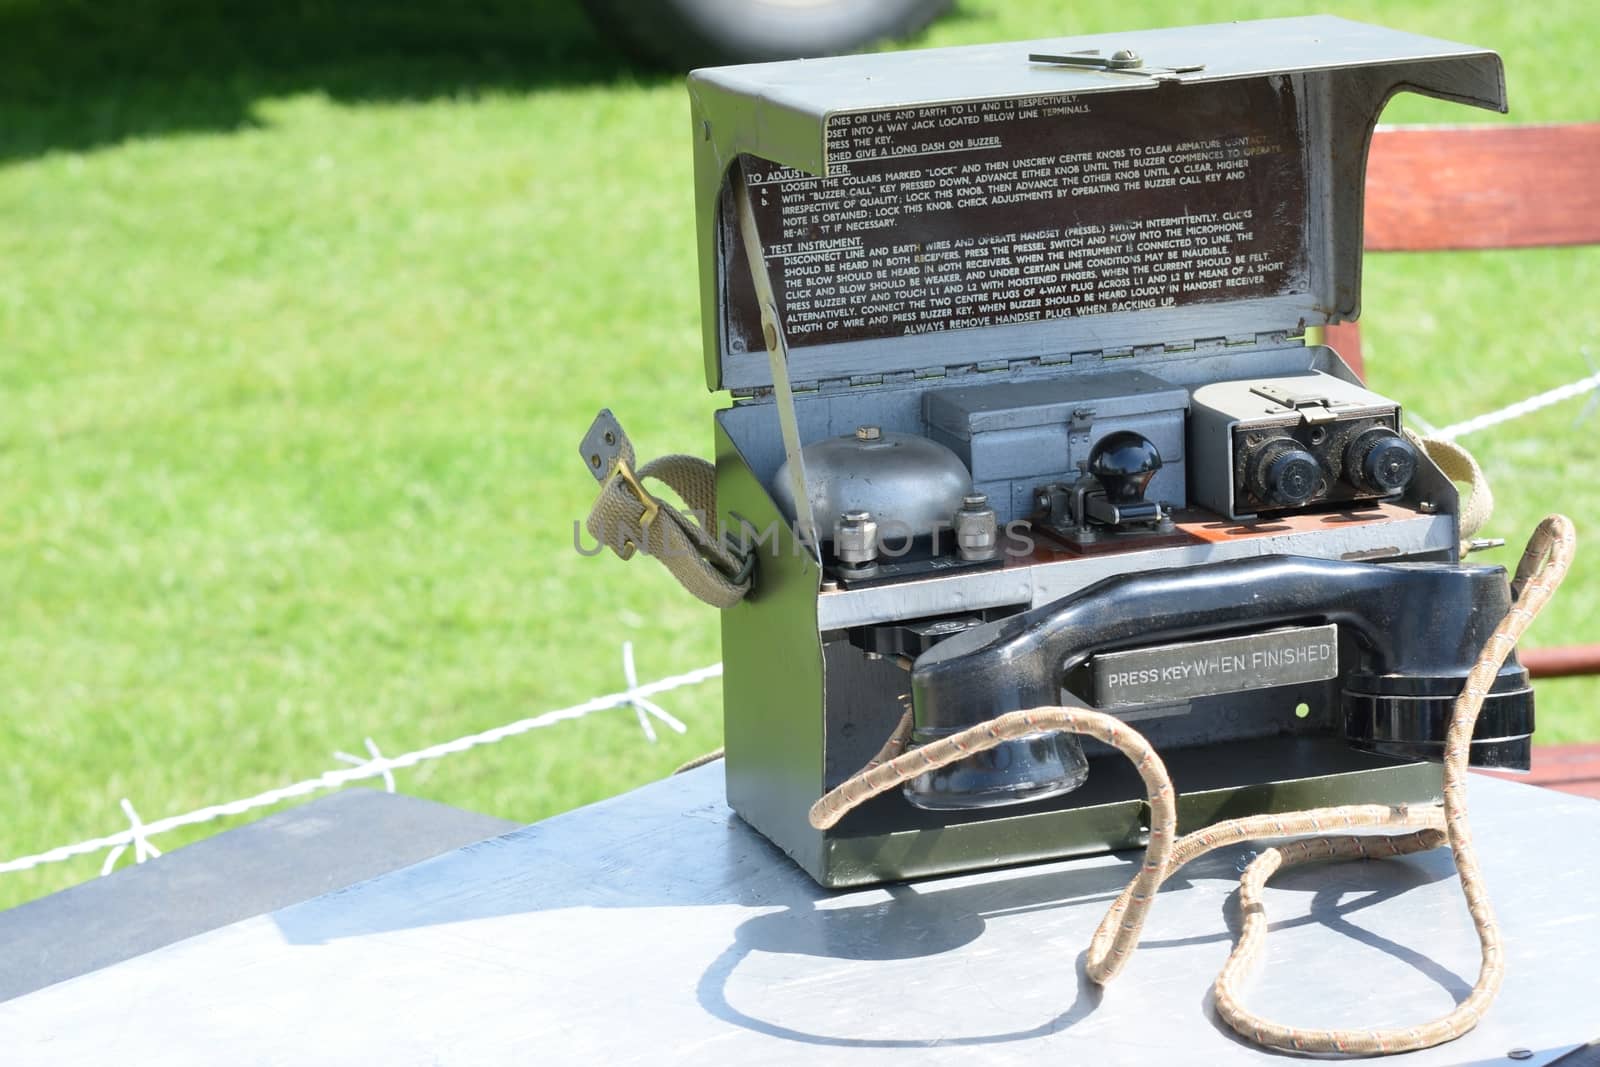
(1221, 168)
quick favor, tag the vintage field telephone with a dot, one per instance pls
(1027, 409)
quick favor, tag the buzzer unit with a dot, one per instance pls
(1028, 408)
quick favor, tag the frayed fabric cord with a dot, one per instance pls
(1544, 564)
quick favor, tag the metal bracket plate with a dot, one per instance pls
(1174, 673)
(603, 445)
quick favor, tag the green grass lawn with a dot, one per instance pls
(304, 307)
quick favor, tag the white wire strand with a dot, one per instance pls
(1520, 409)
(362, 761)
(139, 833)
(641, 707)
(143, 847)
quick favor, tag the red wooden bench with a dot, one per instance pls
(1442, 188)
(1452, 188)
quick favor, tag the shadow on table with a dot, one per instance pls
(78, 74)
(1329, 909)
(924, 922)
(676, 845)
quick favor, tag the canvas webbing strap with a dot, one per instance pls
(627, 517)
(1459, 466)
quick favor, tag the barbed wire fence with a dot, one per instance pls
(375, 765)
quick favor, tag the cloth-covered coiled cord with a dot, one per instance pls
(1542, 567)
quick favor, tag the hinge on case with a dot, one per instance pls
(1202, 345)
(1079, 429)
(1198, 346)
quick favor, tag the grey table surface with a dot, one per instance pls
(656, 928)
(283, 859)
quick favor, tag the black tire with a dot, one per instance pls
(684, 34)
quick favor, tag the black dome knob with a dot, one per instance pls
(1123, 463)
(1380, 461)
(1285, 474)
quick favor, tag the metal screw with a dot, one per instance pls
(1520, 1054)
(1125, 57)
(1427, 507)
(868, 433)
(977, 528)
(855, 540)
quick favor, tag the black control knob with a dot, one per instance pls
(1284, 474)
(1123, 463)
(1380, 461)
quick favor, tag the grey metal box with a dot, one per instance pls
(1218, 409)
(1014, 436)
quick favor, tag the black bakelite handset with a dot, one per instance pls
(1419, 627)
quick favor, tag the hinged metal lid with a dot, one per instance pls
(1029, 201)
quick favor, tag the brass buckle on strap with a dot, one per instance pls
(652, 506)
(620, 471)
